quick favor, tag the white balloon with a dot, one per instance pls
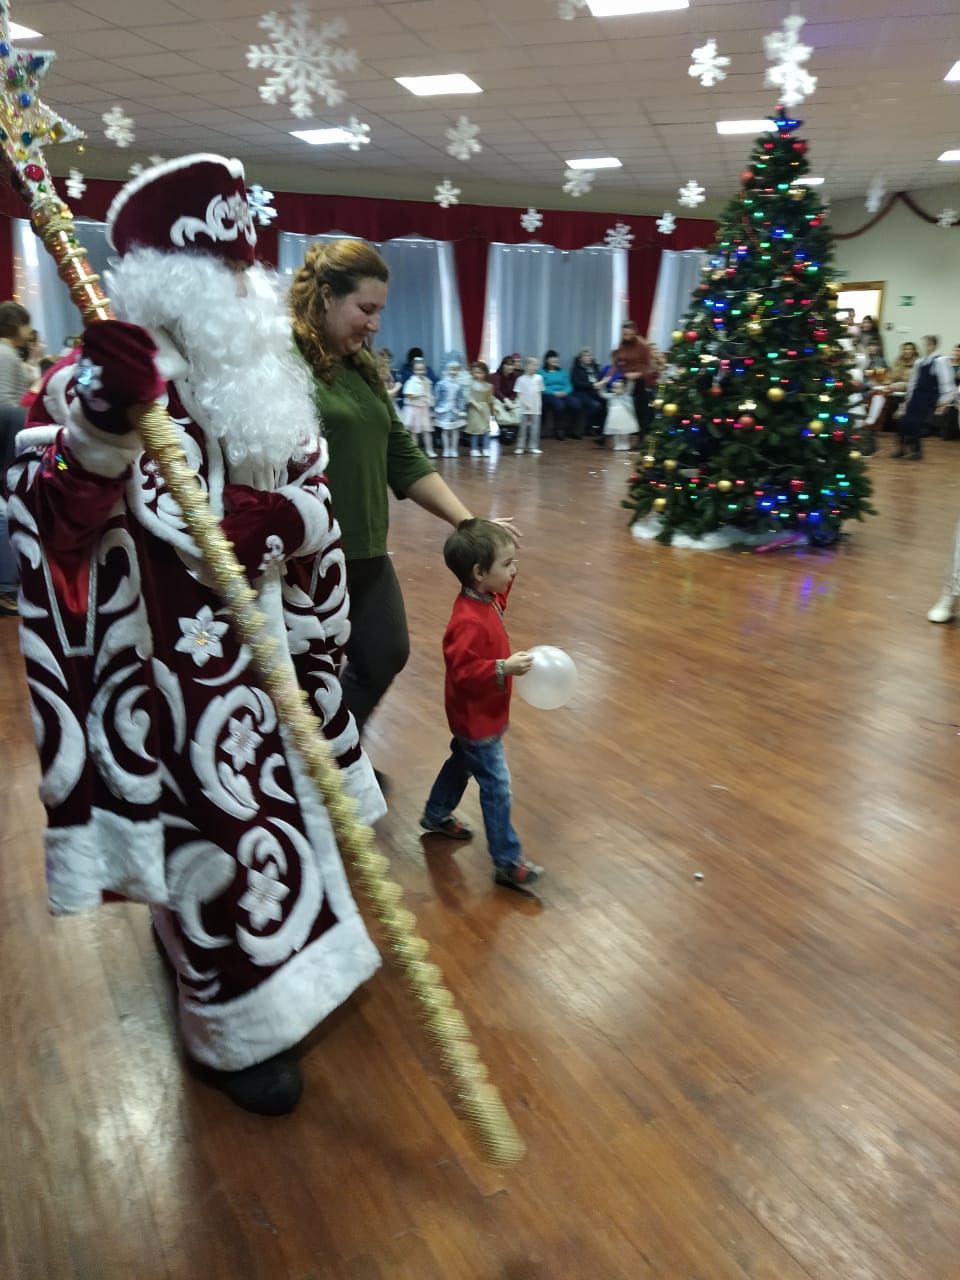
(552, 680)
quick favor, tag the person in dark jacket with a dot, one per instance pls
(588, 406)
(931, 390)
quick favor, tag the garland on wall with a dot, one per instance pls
(903, 196)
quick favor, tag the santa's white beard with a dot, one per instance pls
(245, 384)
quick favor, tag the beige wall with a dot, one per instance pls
(912, 258)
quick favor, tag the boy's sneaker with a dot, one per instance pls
(518, 875)
(450, 826)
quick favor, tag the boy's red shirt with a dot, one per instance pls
(476, 693)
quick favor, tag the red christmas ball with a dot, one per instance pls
(747, 177)
(839, 435)
(691, 335)
(746, 420)
(796, 484)
(716, 389)
(820, 335)
(33, 172)
(731, 272)
(799, 146)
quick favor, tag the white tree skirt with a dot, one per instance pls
(718, 539)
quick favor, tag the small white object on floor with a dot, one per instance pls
(698, 875)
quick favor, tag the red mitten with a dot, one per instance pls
(116, 371)
(264, 527)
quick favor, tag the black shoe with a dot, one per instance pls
(450, 826)
(271, 1088)
(383, 782)
(518, 875)
(915, 457)
(8, 605)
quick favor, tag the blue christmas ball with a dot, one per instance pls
(4, 49)
(24, 99)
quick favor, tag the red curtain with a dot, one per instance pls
(471, 228)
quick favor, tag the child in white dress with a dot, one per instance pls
(621, 420)
(451, 408)
(529, 393)
(417, 403)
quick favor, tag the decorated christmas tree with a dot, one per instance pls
(755, 433)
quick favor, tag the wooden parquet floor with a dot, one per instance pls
(755, 1074)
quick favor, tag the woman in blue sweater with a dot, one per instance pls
(557, 390)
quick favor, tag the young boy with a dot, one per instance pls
(529, 391)
(480, 671)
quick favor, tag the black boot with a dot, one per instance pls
(271, 1088)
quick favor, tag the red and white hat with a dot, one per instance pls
(197, 202)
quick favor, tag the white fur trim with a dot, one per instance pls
(120, 200)
(360, 782)
(170, 363)
(39, 438)
(280, 1011)
(100, 452)
(107, 853)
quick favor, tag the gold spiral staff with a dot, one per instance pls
(25, 126)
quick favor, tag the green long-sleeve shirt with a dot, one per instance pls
(370, 450)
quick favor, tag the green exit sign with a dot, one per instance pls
(907, 299)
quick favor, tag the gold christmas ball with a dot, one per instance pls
(855, 454)
(677, 335)
(659, 504)
(776, 393)
(797, 193)
(648, 459)
(832, 303)
(754, 326)
(658, 403)
(669, 464)
(815, 424)
(825, 398)
(716, 275)
(670, 410)
(724, 485)
(753, 297)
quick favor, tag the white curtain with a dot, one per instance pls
(540, 298)
(679, 275)
(423, 307)
(39, 288)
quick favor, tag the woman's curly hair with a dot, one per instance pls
(341, 264)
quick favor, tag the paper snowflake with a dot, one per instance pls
(788, 55)
(120, 128)
(707, 65)
(260, 202)
(359, 134)
(875, 195)
(577, 182)
(692, 194)
(303, 59)
(531, 220)
(619, 237)
(462, 139)
(947, 217)
(75, 185)
(666, 223)
(135, 170)
(568, 9)
(446, 194)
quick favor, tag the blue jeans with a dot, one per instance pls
(487, 762)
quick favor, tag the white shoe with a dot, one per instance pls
(474, 453)
(484, 453)
(431, 453)
(536, 451)
(518, 451)
(945, 610)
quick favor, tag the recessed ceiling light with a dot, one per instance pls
(22, 33)
(620, 8)
(954, 72)
(950, 156)
(431, 86)
(601, 162)
(322, 137)
(745, 126)
(807, 182)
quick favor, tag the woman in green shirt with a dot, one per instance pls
(337, 297)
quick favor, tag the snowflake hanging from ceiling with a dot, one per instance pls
(532, 220)
(788, 74)
(462, 139)
(261, 201)
(707, 65)
(135, 170)
(692, 194)
(619, 237)
(304, 59)
(75, 185)
(359, 133)
(947, 217)
(446, 194)
(119, 127)
(577, 182)
(666, 223)
(569, 9)
(876, 192)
